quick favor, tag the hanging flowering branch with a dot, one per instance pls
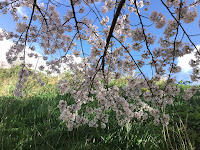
(110, 34)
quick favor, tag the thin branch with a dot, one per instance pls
(177, 29)
(135, 64)
(145, 37)
(92, 10)
(180, 26)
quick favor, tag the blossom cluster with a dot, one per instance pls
(112, 42)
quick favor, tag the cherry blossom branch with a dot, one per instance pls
(178, 22)
(111, 31)
(38, 8)
(70, 44)
(145, 37)
(177, 31)
(26, 36)
(135, 64)
(92, 10)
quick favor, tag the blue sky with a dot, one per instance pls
(193, 28)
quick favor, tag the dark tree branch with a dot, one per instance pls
(111, 31)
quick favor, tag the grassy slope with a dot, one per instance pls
(31, 123)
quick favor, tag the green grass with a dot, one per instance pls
(31, 122)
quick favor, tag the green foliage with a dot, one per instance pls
(9, 73)
(185, 121)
